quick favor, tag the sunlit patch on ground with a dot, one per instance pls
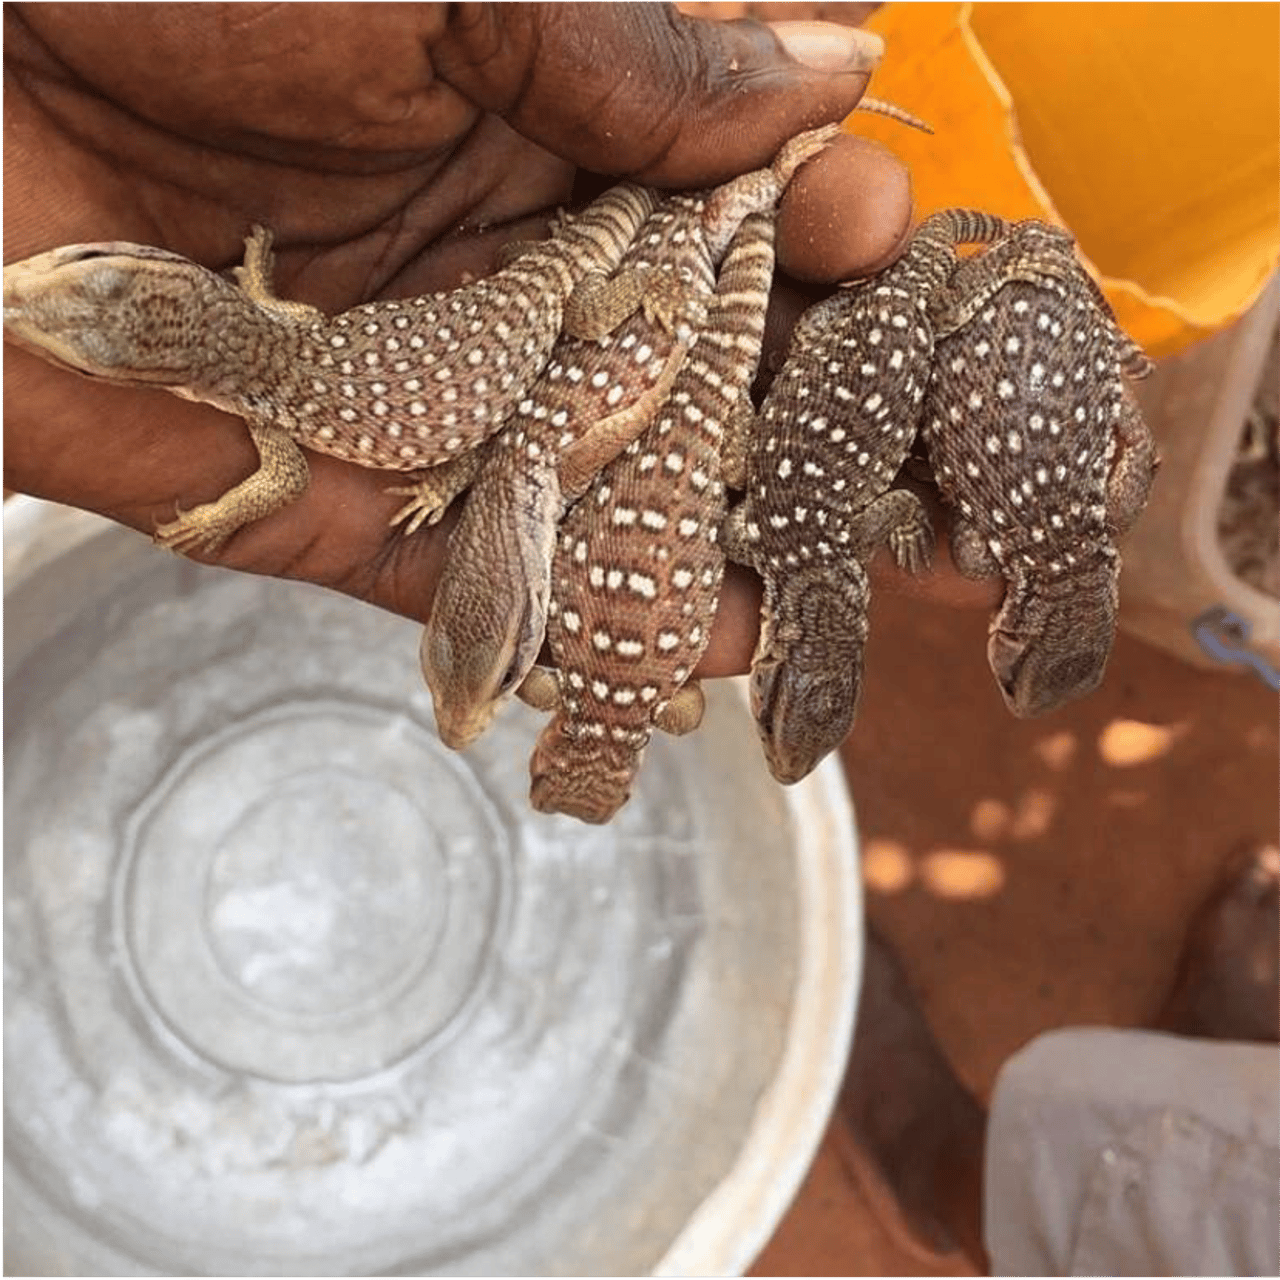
(1129, 742)
(1057, 749)
(1034, 816)
(990, 819)
(886, 866)
(962, 873)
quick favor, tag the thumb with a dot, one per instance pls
(641, 90)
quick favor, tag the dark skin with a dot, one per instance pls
(393, 149)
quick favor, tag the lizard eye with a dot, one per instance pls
(511, 679)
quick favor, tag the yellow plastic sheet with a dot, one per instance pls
(1152, 131)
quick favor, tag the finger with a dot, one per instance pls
(846, 214)
(641, 90)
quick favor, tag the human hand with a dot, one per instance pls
(393, 150)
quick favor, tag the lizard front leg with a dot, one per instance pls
(1135, 467)
(430, 495)
(254, 279)
(282, 476)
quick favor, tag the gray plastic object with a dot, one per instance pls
(292, 989)
(1178, 590)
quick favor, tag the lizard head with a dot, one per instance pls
(473, 661)
(1050, 644)
(121, 312)
(490, 612)
(806, 676)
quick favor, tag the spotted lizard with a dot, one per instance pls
(834, 430)
(490, 611)
(1038, 446)
(400, 385)
(638, 567)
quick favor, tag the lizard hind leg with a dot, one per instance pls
(540, 690)
(609, 436)
(1045, 259)
(804, 146)
(600, 303)
(683, 711)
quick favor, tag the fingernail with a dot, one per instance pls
(830, 47)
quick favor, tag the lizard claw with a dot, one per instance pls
(912, 548)
(421, 509)
(190, 533)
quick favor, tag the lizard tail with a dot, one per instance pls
(963, 226)
(878, 107)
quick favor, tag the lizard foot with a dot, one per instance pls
(430, 496)
(599, 304)
(203, 529)
(425, 507)
(683, 713)
(896, 518)
(540, 690)
(912, 547)
(673, 306)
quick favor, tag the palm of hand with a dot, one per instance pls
(373, 147)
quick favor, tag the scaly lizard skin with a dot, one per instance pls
(839, 421)
(399, 385)
(1040, 449)
(638, 568)
(594, 398)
